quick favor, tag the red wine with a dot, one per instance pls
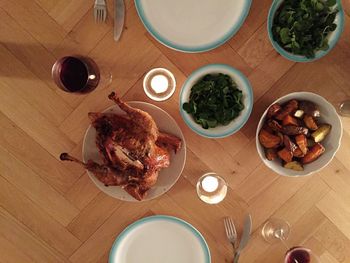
(297, 255)
(76, 74)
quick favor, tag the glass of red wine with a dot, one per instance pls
(275, 230)
(79, 74)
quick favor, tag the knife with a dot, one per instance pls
(119, 15)
(245, 237)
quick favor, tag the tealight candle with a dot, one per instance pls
(211, 188)
(159, 84)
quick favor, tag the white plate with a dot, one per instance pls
(160, 239)
(192, 25)
(167, 176)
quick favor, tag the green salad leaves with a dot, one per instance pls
(214, 100)
(301, 26)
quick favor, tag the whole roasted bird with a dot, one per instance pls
(132, 148)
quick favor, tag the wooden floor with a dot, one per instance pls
(51, 212)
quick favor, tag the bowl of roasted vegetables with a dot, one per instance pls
(298, 134)
(216, 100)
(305, 30)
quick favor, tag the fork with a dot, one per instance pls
(231, 232)
(100, 11)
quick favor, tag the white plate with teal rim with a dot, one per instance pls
(333, 36)
(192, 25)
(242, 84)
(160, 239)
(167, 176)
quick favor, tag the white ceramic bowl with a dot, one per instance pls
(333, 37)
(331, 142)
(242, 84)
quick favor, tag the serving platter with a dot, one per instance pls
(167, 176)
(190, 25)
(169, 239)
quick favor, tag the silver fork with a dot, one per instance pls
(231, 232)
(100, 11)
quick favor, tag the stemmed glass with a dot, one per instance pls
(278, 230)
(344, 108)
(79, 74)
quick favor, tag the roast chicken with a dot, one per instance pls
(132, 149)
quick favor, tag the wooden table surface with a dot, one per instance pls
(51, 211)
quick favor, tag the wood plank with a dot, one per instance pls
(10, 253)
(34, 123)
(36, 21)
(36, 93)
(33, 155)
(36, 188)
(93, 216)
(337, 210)
(22, 238)
(32, 216)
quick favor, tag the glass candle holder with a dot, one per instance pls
(211, 188)
(159, 84)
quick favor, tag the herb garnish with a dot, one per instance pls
(301, 26)
(214, 100)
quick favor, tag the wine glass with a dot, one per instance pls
(211, 188)
(79, 74)
(275, 230)
(344, 108)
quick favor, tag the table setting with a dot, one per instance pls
(217, 161)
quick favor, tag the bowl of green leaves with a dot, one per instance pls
(216, 100)
(305, 30)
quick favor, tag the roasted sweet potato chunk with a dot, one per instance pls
(274, 125)
(298, 153)
(301, 142)
(310, 122)
(309, 108)
(286, 155)
(316, 151)
(289, 120)
(268, 140)
(294, 130)
(290, 108)
(273, 110)
(271, 154)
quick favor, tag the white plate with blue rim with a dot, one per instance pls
(192, 25)
(236, 124)
(159, 239)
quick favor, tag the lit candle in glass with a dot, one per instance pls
(159, 84)
(211, 188)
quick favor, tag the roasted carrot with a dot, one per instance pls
(310, 122)
(316, 151)
(289, 120)
(301, 141)
(290, 108)
(268, 140)
(273, 110)
(286, 155)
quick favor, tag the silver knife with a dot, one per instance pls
(245, 237)
(119, 16)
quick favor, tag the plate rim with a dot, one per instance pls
(183, 145)
(144, 220)
(234, 29)
(235, 129)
